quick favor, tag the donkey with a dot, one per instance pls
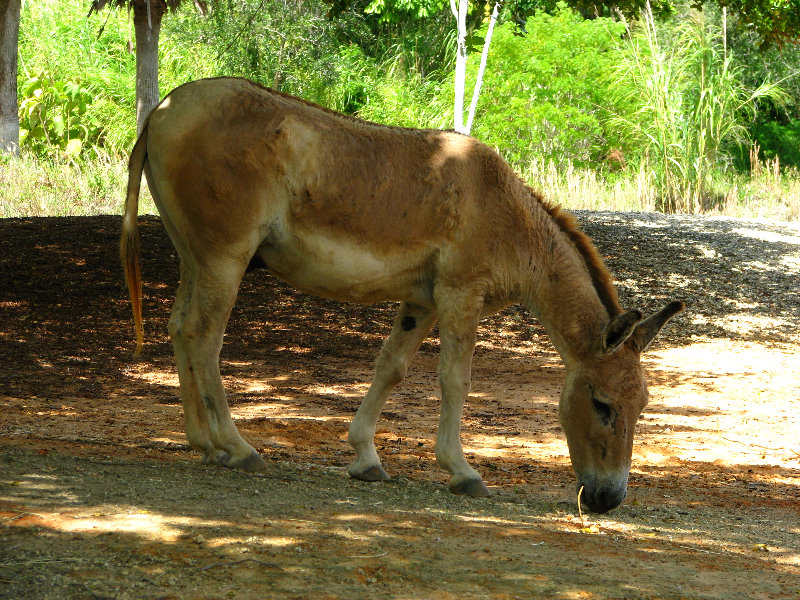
(354, 211)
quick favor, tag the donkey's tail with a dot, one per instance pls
(129, 245)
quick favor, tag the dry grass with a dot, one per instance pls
(30, 187)
(769, 192)
(586, 189)
(36, 188)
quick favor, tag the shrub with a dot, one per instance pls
(54, 120)
(546, 94)
(779, 140)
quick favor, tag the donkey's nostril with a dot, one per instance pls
(602, 498)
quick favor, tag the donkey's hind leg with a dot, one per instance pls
(199, 339)
(193, 412)
(411, 326)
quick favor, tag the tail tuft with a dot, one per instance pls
(129, 245)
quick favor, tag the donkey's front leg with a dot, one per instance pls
(457, 330)
(411, 326)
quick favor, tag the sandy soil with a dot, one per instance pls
(100, 497)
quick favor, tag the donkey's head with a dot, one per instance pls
(602, 398)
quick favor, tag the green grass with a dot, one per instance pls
(692, 105)
(57, 40)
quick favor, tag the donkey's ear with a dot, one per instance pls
(649, 328)
(619, 329)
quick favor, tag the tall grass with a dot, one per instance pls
(391, 94)
(58, 40)
(691, 103)
(588, 189)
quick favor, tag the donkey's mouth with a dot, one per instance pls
(601, 497)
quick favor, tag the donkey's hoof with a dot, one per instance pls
(373, 473)
(469, 487)
(215, 457)
(252, 463)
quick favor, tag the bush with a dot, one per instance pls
(95, 54)
(54, 120)
(779, 140)
(546, 94)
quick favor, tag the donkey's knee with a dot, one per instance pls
(174, 327)
(202, 333)
(391, 368)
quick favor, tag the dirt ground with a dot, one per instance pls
(100, 497)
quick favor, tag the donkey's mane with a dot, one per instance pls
(601, 277)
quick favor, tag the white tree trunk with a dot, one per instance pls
(9, 44)
(460, 13)
(147, 25)
(484, 56)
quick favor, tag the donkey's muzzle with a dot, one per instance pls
(602, 496)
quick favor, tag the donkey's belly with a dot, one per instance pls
(341, 269)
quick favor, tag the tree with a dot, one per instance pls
(775, 21)
(147, 15)
(9, 39)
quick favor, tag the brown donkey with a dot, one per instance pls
(359, 212)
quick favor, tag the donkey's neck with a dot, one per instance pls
(564, 297)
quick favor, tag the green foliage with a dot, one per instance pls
(405, 100)
(777, 140)
(385, 92)
(397, 31)
(776, 124)
(396, 10)
(57, 38)
(555, 97)
(546, 94)
(774, 21)
(54, 119)
(283, 44)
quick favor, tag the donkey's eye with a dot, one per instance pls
(602, 409)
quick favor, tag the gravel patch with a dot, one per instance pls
(740, 278)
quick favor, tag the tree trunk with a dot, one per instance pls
(484, 56)
(147, 25)
(9, 43)
(460, 13)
